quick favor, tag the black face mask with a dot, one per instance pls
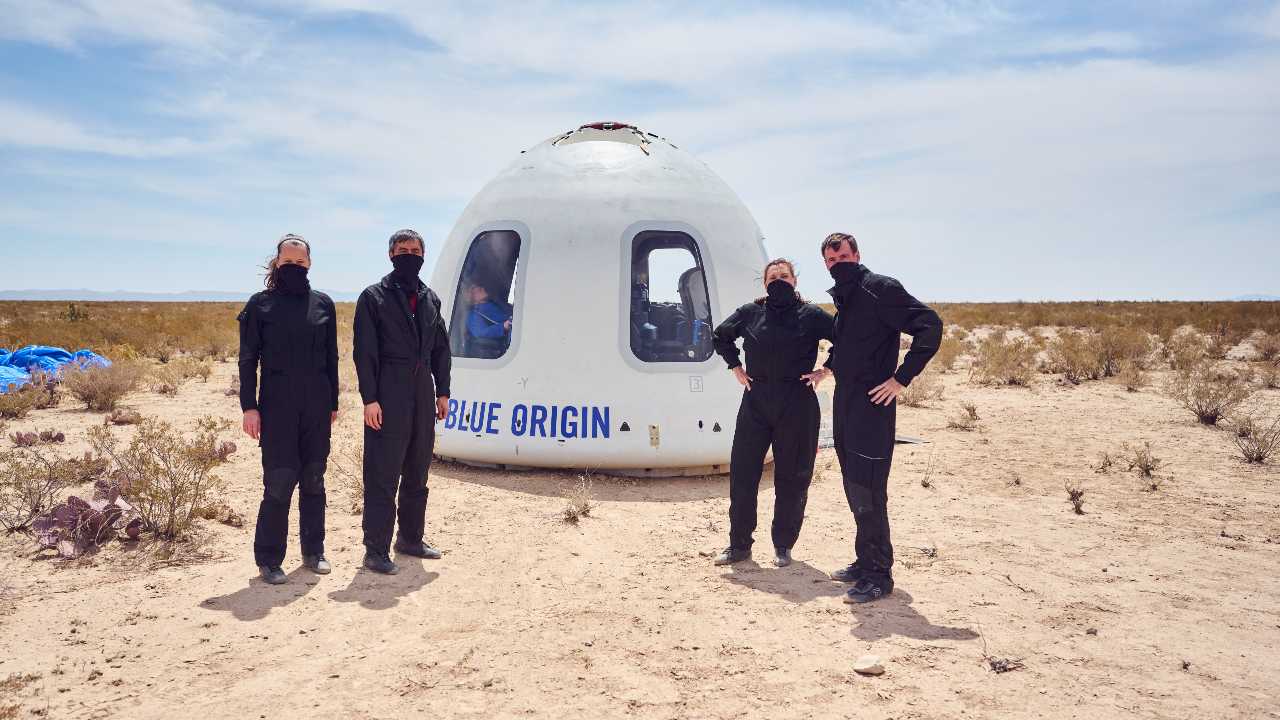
(407, 266)
(780, 292)
(843, 271)
(292, 279)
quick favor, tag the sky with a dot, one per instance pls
(983, 150)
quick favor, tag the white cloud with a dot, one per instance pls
(33, 128)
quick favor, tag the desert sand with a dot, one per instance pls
(1152, 604)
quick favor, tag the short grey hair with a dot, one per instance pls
(405, 235)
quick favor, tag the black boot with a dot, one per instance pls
(869, 590)
(418, 549)
(732, 555)
(850, 574)
(380, 563)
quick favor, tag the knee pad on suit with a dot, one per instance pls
(278, 484)
(311, 481)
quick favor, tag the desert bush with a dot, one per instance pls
(1142, 460)
(123, 416)
(578, 499)
(48, 389)
(1186, 348)
(1256, 439)
(1269, 377)
(160, 349)
(1106, 461)
(1075, 496)
(189, 367)
(1132, 376)
(85, 468)
(1209, 391)
(17, 404)
(948, 352)
(1120, 345)
(29, 485)
(1076, 355)
(1267, 346)
(925, 387)
(1001, 360)
(966, 419)
(167, 476)
(100, 388)
(164, 380)
(346, 464)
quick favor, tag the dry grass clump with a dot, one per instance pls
(967, 419)
(578, 499)
(1142, 460)
(1002, 360)
(1267, 347)
(1186, 349)
(1256, 439)
(17, 404)
(1133, 377)
(347, 463)
(1075, 355)
(100, 388)
(948, 352)
(925, 387)
(167, 477)
(1209, 391)
(1269, 377)
(1120, 345)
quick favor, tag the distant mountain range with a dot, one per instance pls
(131, 296)
(1261, 298)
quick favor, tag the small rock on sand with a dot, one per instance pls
(868, 665)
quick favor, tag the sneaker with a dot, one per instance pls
(732, 555)
(418, 549)
(272, 574)
(317, 564)
(868, 590)
(782, 557)
(380, 563)
(850, 574)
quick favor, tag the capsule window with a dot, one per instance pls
(670, 310)
(483, 315)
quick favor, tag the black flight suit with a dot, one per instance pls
(871, 311)
(397, 354)
(295, 338)
(781, 340)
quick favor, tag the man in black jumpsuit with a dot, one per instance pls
(780, 334)
(871, 312)
(402, 360)
(292, 331)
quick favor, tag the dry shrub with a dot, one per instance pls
(948, 352)
(967, 419)
(1132, 376)
(1256, 439)
(29, 485)
(166, 476)
(1269, 377)
(1076, 356)
(123, 416)
(1186, 349)
(925, 387)
(347, 464)
(578, 499)
(1120, 345)
(1142, 460)
(189, 367)
(1002, 360)
(164, 380)
(100, 388)
(1267, 345)
(17, 404)
(1209, 391)
(1075, 496)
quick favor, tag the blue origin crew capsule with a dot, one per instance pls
(581, 286)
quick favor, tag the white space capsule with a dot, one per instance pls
(581, 286)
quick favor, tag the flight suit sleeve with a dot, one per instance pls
(725, 338)
(250, 353)
(900, 311)
(441, 358)
(365, 349)
(331, 352)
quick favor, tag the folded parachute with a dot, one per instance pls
(16, 367)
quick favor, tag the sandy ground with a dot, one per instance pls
(1161, 604)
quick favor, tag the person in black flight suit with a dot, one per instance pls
(292, 331)
(871, 312)
(780, 333)
(401, 344)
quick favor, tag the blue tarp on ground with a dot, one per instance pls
(16, 367)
